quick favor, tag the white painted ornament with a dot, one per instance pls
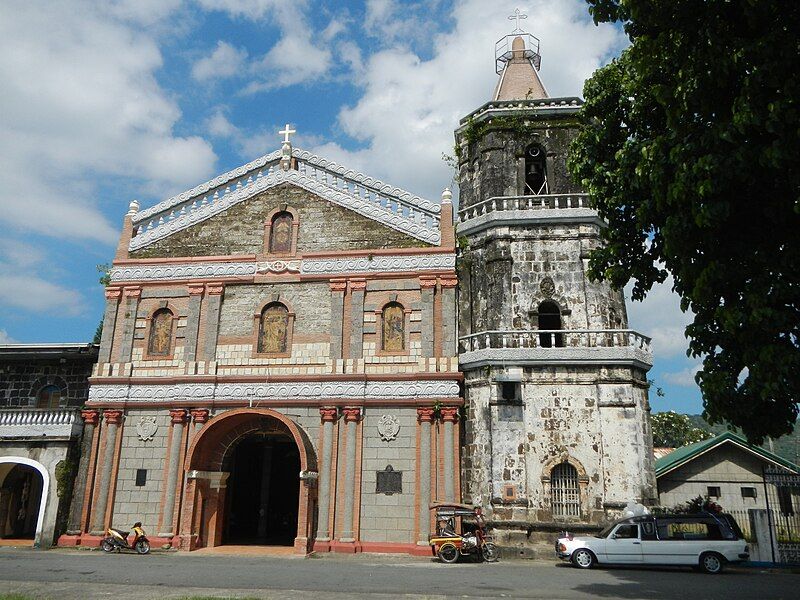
(388, 427)
(146, 428)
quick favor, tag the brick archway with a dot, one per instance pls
(204, 496)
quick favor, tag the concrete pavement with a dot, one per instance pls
(66, 574)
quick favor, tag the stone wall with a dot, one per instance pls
(491, 165)
(21, 381)
(389, 518)
(240, 229)
(141, 503)
(592, 419)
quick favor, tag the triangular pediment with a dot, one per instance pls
(369, 197)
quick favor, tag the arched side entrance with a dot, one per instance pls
(24, 482)
(219, 457)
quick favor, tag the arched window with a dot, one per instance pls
(393, 328)
(49, 397)
(550, 319)
(280, 236)
(535, 171)
(160, 341)
(566, 491)
(273, 332)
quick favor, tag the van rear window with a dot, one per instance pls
(689, 530)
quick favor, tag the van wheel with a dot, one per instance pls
(583, 558)
(711, 562)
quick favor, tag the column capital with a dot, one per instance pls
(90, 417)
(338, 285)
(113, 293)
(177, 416)
(199, 415)
(448, 282)
(427, 282)
(196, 289)
(358, 285)
(426, 414)
(449, 413)
(215, 289)
(132, 292)
(351, 414)
(113, 417)
(328, 414)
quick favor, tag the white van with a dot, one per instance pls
(706, 541)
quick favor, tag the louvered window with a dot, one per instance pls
(566, 491)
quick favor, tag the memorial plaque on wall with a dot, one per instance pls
(389, 481)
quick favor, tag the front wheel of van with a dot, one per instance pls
(711, 562)
(583, 558)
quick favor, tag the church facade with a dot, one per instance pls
(557, 432)
(278, 365)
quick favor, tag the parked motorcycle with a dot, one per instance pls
(118, 540)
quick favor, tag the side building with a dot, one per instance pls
(42, 389)
(557, 430)
(278, 364)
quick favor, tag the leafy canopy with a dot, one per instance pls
(673, 430)
(690, 149)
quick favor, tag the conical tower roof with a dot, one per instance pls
(519, 79)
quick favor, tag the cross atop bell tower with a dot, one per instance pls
(517, 61)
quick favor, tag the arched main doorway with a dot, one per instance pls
(24, 485)
(244, 483)
(263, 490)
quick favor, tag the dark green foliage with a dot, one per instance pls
(690, 149)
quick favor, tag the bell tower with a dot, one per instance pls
(557, 430)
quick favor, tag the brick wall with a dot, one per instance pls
(21, 380)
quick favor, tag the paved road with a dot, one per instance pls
(83, 574)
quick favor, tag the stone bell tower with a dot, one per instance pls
(558, 432)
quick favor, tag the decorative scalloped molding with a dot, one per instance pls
(209, 185)
(336, 196)
(322, 390)
(374, 185)
(308, 266)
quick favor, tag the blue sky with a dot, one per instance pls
(107, 101)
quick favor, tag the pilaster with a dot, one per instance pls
(113, 295)
(357, 289)
(213, 304)
(132, 296)
(338, 288)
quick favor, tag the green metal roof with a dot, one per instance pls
(681, 456)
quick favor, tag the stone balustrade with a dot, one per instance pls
(565, 345)
(506, 203)
(38, 423)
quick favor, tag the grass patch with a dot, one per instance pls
(16, 597)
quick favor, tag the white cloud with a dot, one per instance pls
(659, 316)
(32, 294)
(224, 61)
(5, 338)
(410, 105)
(684, 377)
(80, 105)
(297, 57)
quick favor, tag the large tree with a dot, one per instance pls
(690, 149)
(673, 430)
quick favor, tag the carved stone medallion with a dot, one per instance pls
(547, 287)
(388, 427)
(146, 428)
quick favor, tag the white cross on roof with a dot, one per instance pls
(286, 132)
(517, 16)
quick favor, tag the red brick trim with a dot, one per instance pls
(113, 293)
(196, 289)
(351, 414)
(449, 413)
(328, 413)
(215, 289)
(426, 414)
(199, 415)
(112, 482)
(455, 376)
(90, 417)
(88, 493)
(132, 292)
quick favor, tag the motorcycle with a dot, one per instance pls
(118, 540)
(449, 545)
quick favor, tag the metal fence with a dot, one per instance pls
(783, 507)
(743, 519)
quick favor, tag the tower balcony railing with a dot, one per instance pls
(556, 345)
(39, 423)
(524, 203)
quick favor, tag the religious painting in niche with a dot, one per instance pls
(273, 335)
(394, 339)
(280, 238)
(160, 342)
